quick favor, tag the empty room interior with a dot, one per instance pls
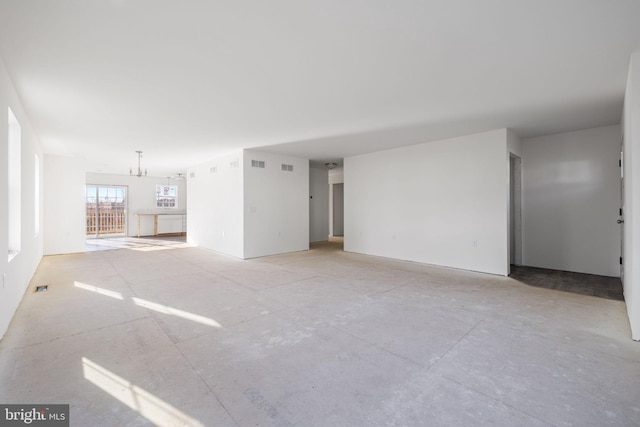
(321, 213)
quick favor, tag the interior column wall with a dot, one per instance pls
(276, 204)
(246, 211)
(215, 205)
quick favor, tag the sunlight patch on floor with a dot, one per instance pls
(101, 291)
(176, 312)
(149, 406)
(136, 243)
(160, 308)
(161, 248)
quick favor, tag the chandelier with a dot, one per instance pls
(139, 174)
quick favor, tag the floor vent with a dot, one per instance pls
(41, 288)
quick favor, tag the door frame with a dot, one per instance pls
(514, 211)
(621, 212)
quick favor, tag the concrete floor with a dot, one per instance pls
(183, 336)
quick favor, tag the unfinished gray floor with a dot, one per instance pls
(183, 336)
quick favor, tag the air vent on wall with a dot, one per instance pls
(234, 164)
(213, 169)
(257, 164)
(287, 168)
(192, 175)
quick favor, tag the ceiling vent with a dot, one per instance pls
(234, 164)
(213, 169)
(192, 175)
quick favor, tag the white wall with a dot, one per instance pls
(443, 202)
(276, 205)
(215, 205)
(16, 274)
(571, 197)
(318, 205)
(631, 255)
(141, 199)
(64, 205)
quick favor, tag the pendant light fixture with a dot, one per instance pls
(139, 174)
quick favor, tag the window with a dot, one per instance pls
(166, 196)
(36, 197)
(14, 200)
(106, 210)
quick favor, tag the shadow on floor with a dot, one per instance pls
(579, 283)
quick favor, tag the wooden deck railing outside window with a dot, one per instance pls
(106, 222)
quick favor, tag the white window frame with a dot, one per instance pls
(166, 196)
(14, 167)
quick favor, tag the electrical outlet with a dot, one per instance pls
(4, 277)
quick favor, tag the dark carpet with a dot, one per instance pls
(579, 283)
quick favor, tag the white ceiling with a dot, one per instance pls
(187, 80)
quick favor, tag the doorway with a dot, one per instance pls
(106, 208)
(515, 211)
(338, 210)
